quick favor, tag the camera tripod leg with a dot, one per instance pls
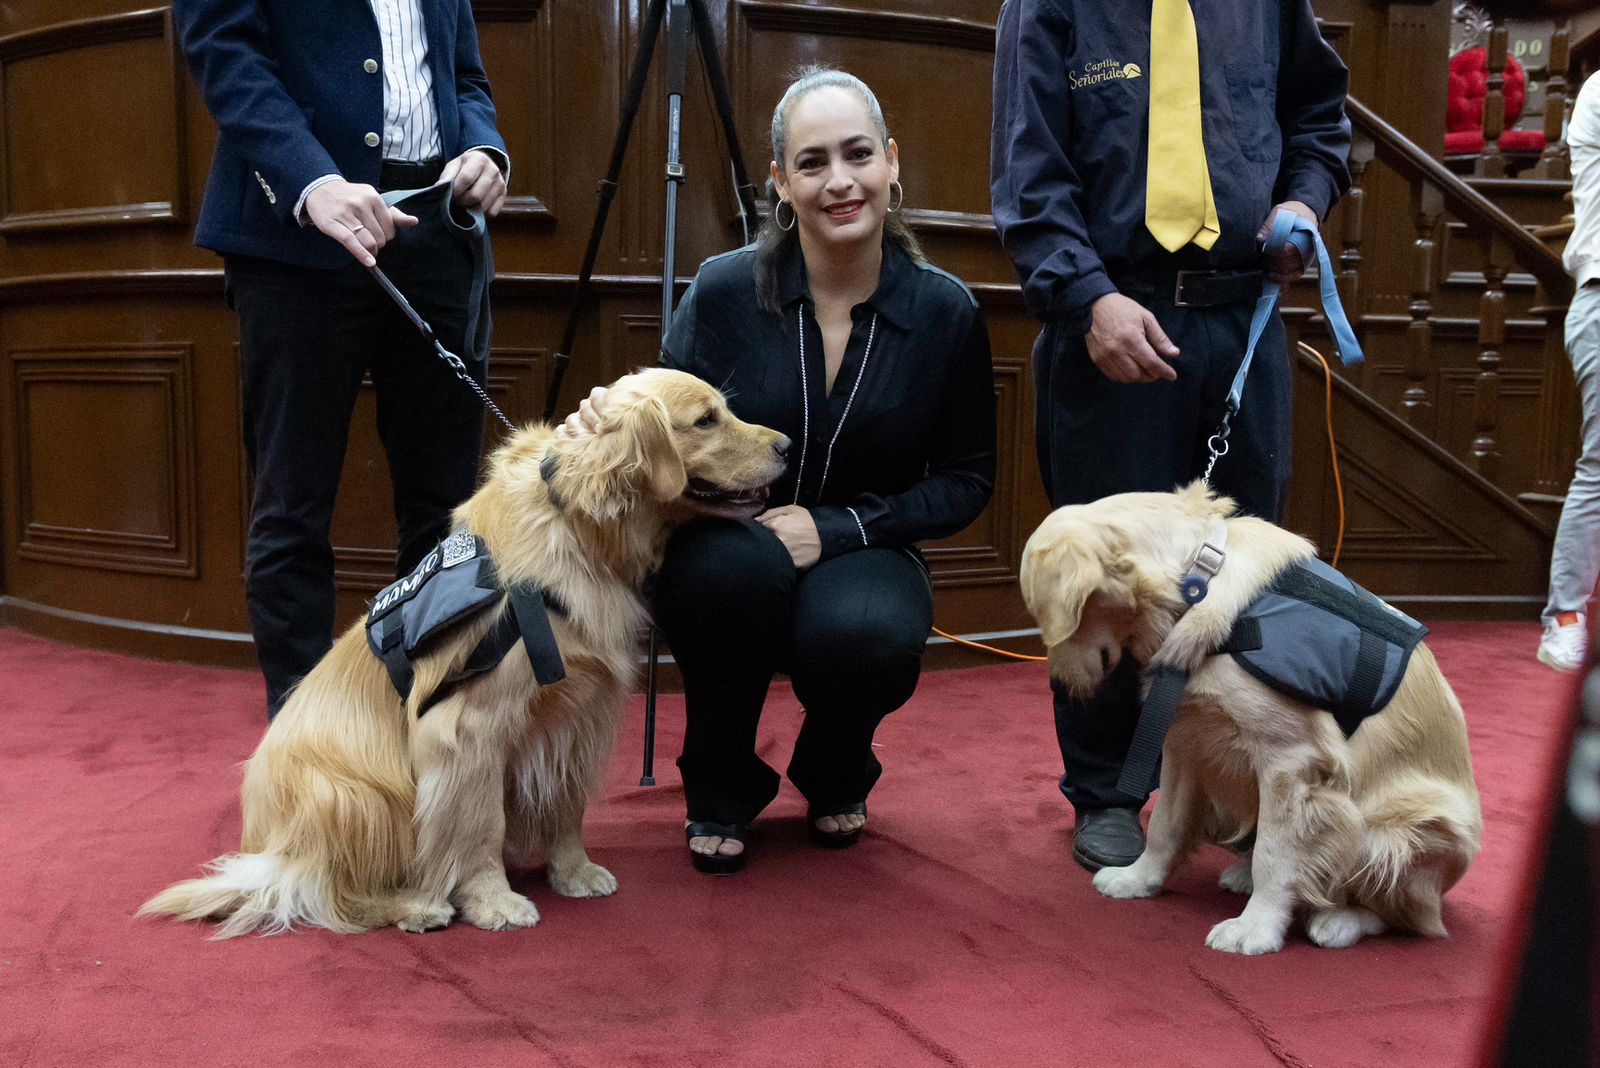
(681, 17)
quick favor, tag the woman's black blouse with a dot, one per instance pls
(903, 450)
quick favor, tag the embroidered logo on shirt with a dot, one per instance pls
(1102, 70)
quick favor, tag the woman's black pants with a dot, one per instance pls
(849, 632)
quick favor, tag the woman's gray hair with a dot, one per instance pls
(814, 77)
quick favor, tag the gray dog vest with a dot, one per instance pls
(456, 582)
(1312, 635)
(1317, 637)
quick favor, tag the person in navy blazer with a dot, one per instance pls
(321, 106)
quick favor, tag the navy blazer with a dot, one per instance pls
(288, 84)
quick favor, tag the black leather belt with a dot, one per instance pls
(1195, 289)
(400, 175)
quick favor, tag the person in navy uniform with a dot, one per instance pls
(321, 107)
(1138, 154)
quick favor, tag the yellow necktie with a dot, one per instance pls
(1178, 205)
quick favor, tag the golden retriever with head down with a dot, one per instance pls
(1364, 833)
(359, 812)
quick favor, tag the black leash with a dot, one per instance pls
(476, 231)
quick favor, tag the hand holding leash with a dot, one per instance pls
(356, 216)
(475, 182)
(1288, 228)
(1288, 262)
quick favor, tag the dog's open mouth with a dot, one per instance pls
(708, 492)
(709, 498)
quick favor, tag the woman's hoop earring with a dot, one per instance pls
(893, 205)
(777, 214)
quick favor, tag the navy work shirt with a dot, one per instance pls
(1071, 129)
(903, 449)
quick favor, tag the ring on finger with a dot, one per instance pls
(357, 227)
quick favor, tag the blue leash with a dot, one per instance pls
(1287, 227)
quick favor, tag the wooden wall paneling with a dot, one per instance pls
(944, 149)
(102, 262)
(105, 457)
(126, 83)
(986, 551)
(517, 44)
(120, 423)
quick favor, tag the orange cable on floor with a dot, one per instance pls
(987, 648)
(1333, 453)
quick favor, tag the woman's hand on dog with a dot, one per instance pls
(1127, 343)
(797, 530)
(586, 420)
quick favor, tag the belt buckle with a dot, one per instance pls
(1177, 288)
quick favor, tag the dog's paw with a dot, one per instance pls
(1340, 928)
(1248, 937)
(1127, 882)
(586, 880)
(1237, 878)
(499, 910)
(421, 915)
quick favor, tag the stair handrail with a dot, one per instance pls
(1413, 163)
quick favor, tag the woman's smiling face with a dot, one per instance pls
(837, 174)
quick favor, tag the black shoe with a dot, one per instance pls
(835, 839)
(717, 863)
(1107, 838)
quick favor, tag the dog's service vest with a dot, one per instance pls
(1312, 635)
(455, 582)
(1317, 637)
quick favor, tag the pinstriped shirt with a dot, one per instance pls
(410, 121)
(410, 117)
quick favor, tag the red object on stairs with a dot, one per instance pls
(1469, 84)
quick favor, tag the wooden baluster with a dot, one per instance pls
(1553, 162)
(1491, 163)
(1427, 205)
(1491, 338)
(1352, 213)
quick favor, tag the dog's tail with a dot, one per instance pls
(253, 892)
(1421, 835)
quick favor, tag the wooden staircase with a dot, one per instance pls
(1458, 434)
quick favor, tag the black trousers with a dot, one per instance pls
(306, 338)
(1097, 437)
(849, 632)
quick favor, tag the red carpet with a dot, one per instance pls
(958, 933)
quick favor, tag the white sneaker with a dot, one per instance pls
(1564, 644)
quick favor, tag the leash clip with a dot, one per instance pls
(1217, 444)
(449, 357)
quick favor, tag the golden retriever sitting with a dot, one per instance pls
(358, 812)
(1365, 832)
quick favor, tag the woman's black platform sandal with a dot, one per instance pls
(717, 863)
(835, 839)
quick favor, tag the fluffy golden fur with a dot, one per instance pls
(1362, 834)
(358, 813)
